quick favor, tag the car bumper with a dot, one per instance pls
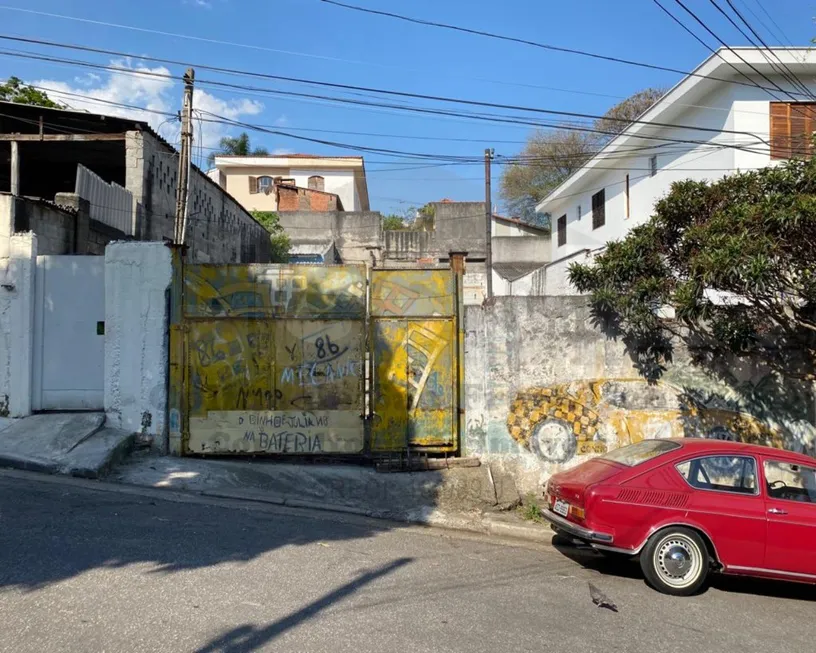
(571, 528)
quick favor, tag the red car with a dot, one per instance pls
(691, 506)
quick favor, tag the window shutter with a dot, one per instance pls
(253, 185)
(780, 131)
(599, 209)
(562, 230)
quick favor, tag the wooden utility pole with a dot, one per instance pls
(488, 224)
(183, 189)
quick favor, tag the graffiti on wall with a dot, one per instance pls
(256, 291)
(561, 421)
(274, 359)
(414, 343)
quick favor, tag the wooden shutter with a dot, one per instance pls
(253, 185)
(562, 230)
(792, 127)
(599, 209)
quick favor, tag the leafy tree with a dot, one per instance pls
(281, 243)
(734, 257)
(14, 90)
(393, 223)
(549, 157)
(236, 146)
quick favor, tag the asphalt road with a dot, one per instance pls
(98, 570)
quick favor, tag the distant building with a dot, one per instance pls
(294, 182)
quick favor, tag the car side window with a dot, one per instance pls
(736, 474)
(790, 481)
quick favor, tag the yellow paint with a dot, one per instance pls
(593, 418)
(253, 344)
(277, 432)
(415, 360)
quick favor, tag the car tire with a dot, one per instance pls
(675, 561)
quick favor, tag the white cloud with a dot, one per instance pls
(282, 121)
(150, 88)
(282, 150)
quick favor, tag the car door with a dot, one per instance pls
(728, 505)
(790, 503)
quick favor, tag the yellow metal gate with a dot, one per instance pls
(416, 345)
(268, 359)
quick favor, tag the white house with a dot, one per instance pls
(252, 180)
(740, 110)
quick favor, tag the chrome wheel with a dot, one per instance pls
(678, 560)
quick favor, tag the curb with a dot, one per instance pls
(483, 525)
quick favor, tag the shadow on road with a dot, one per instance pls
(250, 638)
(52, 532)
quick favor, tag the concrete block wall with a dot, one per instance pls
(219, 230)
(546, 389)
(357, 234)
(17, 271)
(137, 281)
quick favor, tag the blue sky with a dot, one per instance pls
(314, 40)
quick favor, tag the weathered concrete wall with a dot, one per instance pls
(137, 279)
(556, 274)
(219, 230)
(512, 249)
(546, 389)
(460, 227)
(17, 324)
(357, 234)
(407, 245)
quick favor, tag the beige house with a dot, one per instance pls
(291, 182)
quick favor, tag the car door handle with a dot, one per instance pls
(777, 511)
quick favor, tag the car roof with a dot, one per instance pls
(703, 445)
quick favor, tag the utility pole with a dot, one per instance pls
(183, 189)
(488, 224)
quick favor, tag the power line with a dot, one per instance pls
(545, 46)
(780, 34)
(347, 87)
(489, 117)
(732, 51)
(783, 70)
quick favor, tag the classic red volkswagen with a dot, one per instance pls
(690, 506)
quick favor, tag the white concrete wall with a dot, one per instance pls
(556, 274)
(17, 275)
(137, 278)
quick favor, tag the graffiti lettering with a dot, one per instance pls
(325, 343)
(295, 421)
(285, 441)
(316, 374)
(258, 398)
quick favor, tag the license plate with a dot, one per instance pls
(561, 508)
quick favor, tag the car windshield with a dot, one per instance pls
(634, 454)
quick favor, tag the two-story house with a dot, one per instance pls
(294, 182)
(741, 109)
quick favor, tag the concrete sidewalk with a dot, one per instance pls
(76, 444)
(461, 498)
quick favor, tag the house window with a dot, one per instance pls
(599, 209)
(653, 165)
(562, 230)
(579, 212)
(264, 183)
(628, 202)
(792, 127)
